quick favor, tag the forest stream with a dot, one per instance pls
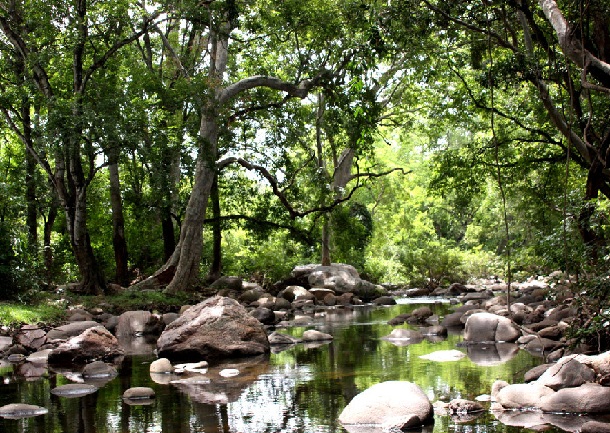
(303, 388)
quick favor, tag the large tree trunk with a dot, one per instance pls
(118, 222)
(187, 255)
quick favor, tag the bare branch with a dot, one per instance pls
(284, 200)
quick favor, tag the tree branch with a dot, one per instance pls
(282, 197)
(301, 234)
(571, 46)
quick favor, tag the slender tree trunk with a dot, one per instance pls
(118, 221)
(30, 179)
(326, 228)
(167, 212)
(48, 230)
(216, 266)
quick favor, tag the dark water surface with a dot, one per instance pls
(301, 389)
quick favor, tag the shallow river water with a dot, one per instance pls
(301, 389)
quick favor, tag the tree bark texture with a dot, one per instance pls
(118, 223)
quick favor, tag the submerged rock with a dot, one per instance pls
(277, 338)
(74, 390)
(312, 335)
(444, 355)
(21, 410)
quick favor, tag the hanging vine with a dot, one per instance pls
(496, 145)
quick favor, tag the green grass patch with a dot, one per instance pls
(12, 314)
(131, 300)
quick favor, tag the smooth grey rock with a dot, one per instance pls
(595, 427)
(534, 373)
(74, 390)
(132, 323)
(566, 373)
(139, 393)
(314, 335)
(522, 395)
(99, 369)
(587, 398)
(70, 330)
(485, 327)
(161, 366)
(40, 357)
(21, 410)
(292, 293)
(384, 401)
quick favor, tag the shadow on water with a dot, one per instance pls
(300, 389)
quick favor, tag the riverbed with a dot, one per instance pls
(298, 389)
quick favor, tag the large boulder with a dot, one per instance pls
(31, 337)
(385, 401)
(485, 327)
(214, 329)
(568, 372)
(132, 323)
(522, 395)
(93, 344)
(339, 278)
(587, 398)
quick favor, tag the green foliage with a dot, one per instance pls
(352, 228)
(148, 300)
(263, 260)
(592, 324)
(14, 314)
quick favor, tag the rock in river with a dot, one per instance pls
(73, 390)
(20, 410)
(214, 329)
(385, 401)
(93, 344)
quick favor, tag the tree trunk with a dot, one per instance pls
(48, 230)
(187, 255)
(118, 221)
(216, 266)
(326, 260)
(30, 181)
(167, 230)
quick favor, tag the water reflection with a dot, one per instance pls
(299, 389)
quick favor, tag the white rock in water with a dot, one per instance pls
(229, 372)
(444, 355)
